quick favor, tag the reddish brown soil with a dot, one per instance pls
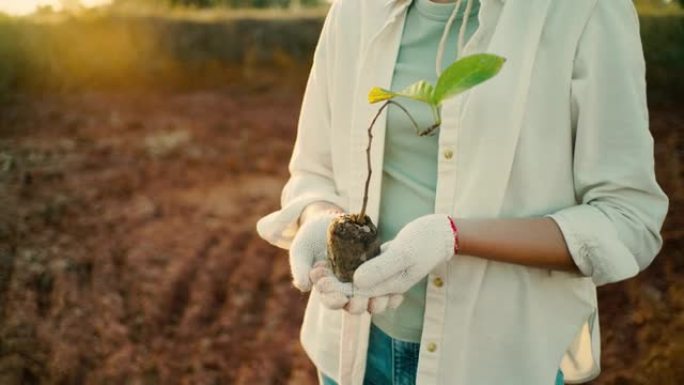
(128, 253)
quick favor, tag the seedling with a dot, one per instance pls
(353, 238)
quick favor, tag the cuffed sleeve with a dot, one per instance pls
(614, 231)
(311, 172)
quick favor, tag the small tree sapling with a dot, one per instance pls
(353, 238)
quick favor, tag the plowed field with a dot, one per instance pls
(128, 253)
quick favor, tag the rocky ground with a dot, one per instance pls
(128, 253)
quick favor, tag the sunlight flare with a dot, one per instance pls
(25, 7)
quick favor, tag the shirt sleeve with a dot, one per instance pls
(614, 231)
(310, 167)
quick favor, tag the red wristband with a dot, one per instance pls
(454, 229)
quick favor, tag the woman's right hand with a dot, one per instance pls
(335, 294)
(309, 265)
(310, 243)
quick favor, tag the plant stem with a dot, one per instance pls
(435, 112)
(430, 129)
(427, 131)
(362, 215)
(438, 122)
(419, 132)
(415, 124)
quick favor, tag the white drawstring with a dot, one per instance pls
(461, 33)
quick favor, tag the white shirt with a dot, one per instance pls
(561, 131)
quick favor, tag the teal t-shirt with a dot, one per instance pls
(409, 177)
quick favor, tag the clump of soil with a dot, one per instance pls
(352, 240)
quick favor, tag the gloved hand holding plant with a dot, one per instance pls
(341, 295)
(417, 249)
(308, 264)
(309, 244)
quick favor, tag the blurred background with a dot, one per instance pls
(140, 140)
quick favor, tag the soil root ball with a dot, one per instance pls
(352, 240)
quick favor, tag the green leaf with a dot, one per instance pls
(466, 73)
(420, 90)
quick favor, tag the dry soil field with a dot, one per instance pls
(128, 253)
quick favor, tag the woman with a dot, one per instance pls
(538, 187)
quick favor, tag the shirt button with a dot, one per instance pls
(438, 282)
(448, 153)
(431, 347)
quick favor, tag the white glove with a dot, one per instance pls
(416, 250)
(341, 295)
(308, 246)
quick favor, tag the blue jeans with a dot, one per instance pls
(393, 362)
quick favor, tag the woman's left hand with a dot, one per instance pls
(416, 250)
(341, 295)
